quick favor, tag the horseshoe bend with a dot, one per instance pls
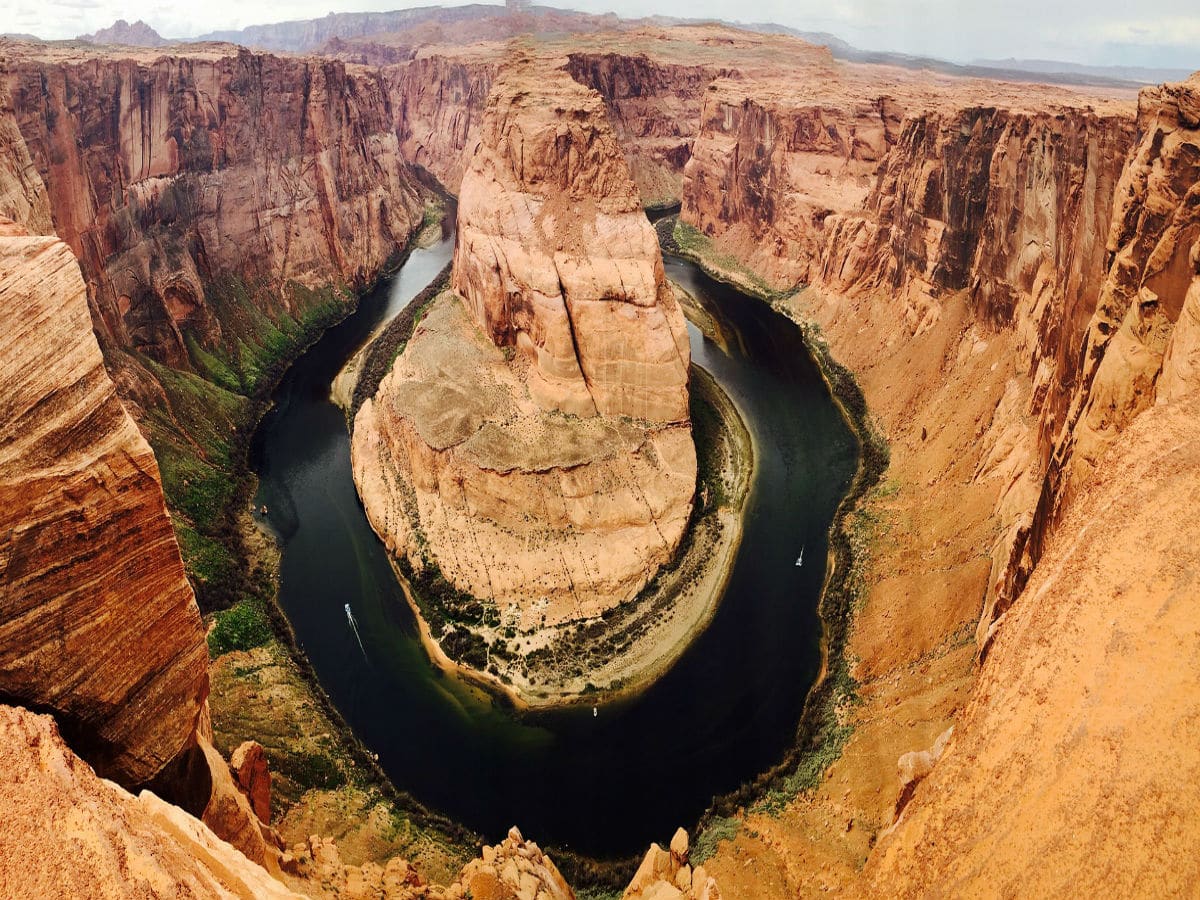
(450, 451)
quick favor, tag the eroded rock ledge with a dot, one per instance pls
(533, 442)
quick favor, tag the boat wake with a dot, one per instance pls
(357, 636)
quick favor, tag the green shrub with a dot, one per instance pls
(243, 626)
(705, 845)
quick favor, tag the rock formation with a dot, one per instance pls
(533, 439)
(439, 105)
(1006, 204)
(772, 164)
(190, 183)
(667, 875)
(97, 621)
(654, 107)
(139, 34)
(249, 765)
(1143, 327)
(68, 833)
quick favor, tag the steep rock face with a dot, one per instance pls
(1078, 749)
(1143, 328)
(533, 440)
(553, 255)
(97, 621)
(173, 180)
(68, 833)
(1009, 207)
(1005, 204)
(23, 197)
(770, 167)
(438, 106)
(654, 108)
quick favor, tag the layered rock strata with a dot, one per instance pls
(97, 621)
(1085, 715)
(183, 182)
(533, 441)
(910, 200)
(1140, 344)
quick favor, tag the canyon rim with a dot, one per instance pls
(995, 274)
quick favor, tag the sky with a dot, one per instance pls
(1160, 33)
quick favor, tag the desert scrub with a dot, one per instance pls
(717, 830)
(243, 626)
(390, 343)
(690, 242)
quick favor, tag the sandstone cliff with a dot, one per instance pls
(173, 178)
(1143, 327)
(654, 107)
(97, 621)
(532, 441)
(68, 833)
(772, 164)
(438, 106)
(1073, 769)
(908, 200)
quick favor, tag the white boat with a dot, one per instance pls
(800, 558)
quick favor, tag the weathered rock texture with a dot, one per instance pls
(533, 440)
(97, 621)
(772, 164)
(654, 108)
(186, 182)
(249, 765)
(1074, 769)
(68, 833)
(512, 870)
(553, 255)
(1006, 204)
(667, 875)
(439, 103)
(1141, 341)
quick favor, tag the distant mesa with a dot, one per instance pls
(121, 33)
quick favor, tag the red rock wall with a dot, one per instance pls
(437, 106)
(97, 621)
(654, 108)
(1007, 206)
(767, 173)
(169, 176)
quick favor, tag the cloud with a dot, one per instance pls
(1169, 31)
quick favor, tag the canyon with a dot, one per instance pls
(1011, 274)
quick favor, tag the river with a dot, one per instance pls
(602, 785)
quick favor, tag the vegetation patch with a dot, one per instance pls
(705, 845)
(243, 626)
(681, 239)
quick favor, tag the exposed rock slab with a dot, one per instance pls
(68, 833)
(97, 621)
(554, 516)
(533, 440)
